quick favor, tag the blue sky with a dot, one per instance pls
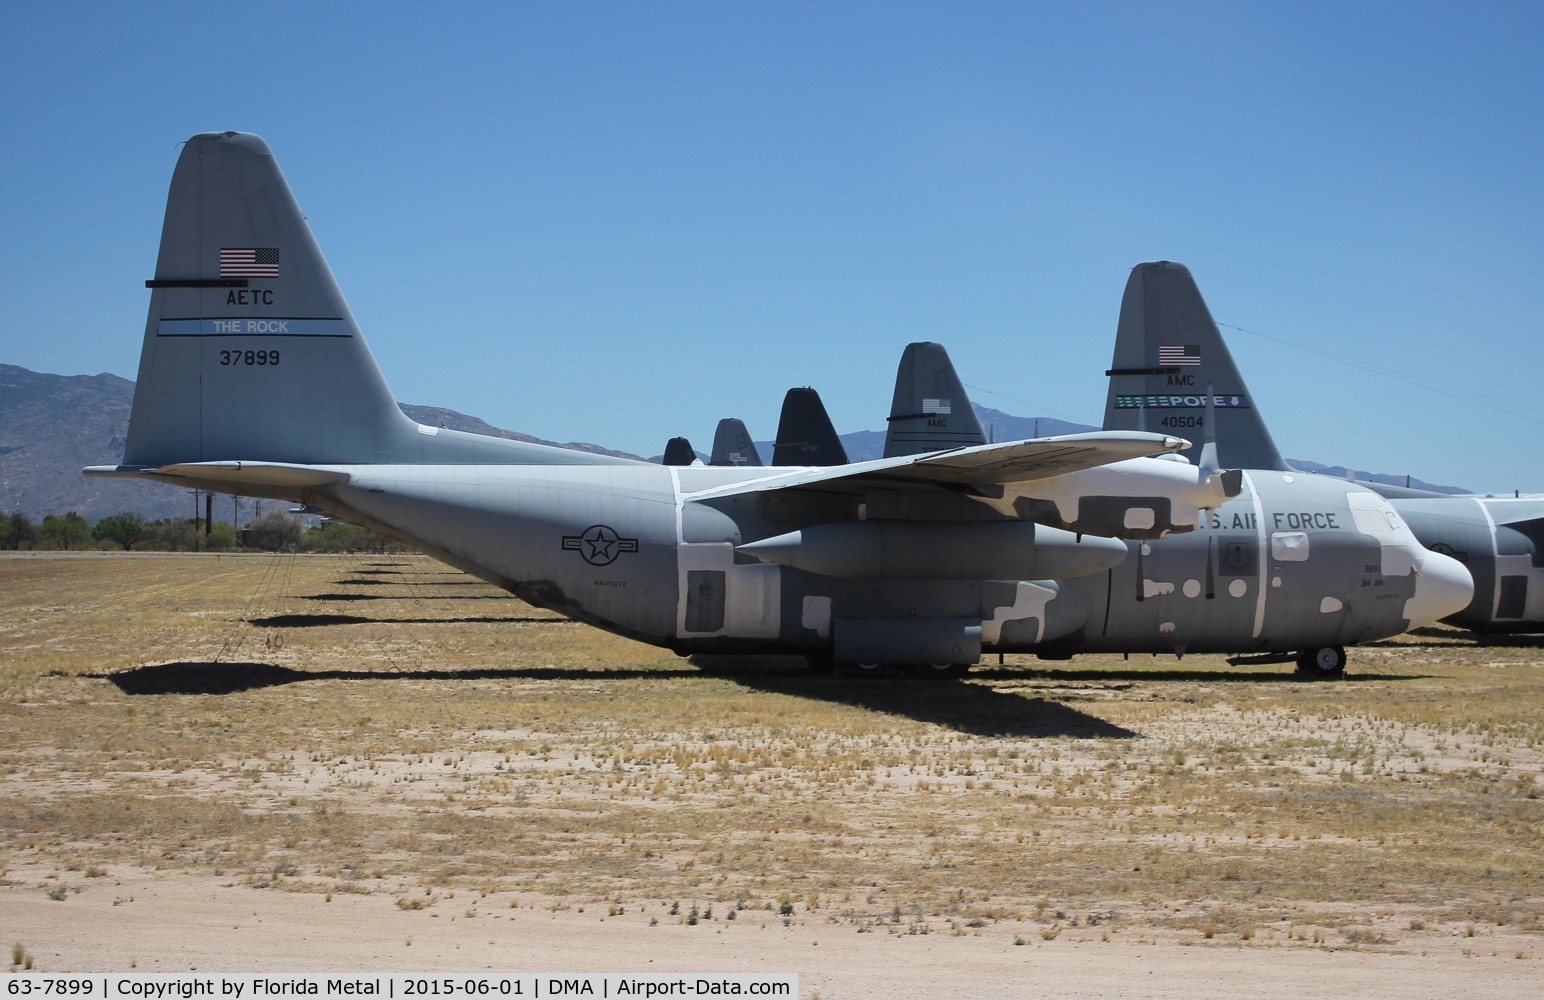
(617, 222)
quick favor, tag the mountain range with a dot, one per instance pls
(52, 425)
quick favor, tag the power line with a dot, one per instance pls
(1511, 408)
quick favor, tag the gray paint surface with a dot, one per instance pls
(256, 380)
(1498, 539)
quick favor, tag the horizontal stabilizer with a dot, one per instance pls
(240, 478)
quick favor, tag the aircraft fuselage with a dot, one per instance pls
(1293, 562)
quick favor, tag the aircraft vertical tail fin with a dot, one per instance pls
(679, 451)
(929, 411)
(732, 444)
(1167, 351)
(805, 435)
(250, 351)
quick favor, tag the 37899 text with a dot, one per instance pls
(249, 357)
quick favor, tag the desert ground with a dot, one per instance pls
(373, 762)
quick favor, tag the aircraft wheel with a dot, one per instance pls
(940, 670)
(1322, 662)
(868, 667)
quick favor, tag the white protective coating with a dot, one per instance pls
(1289, 546)
(1029, 601)
(1402, 554)
(816, 615)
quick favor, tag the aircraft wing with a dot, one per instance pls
(1514, 512)
(982, 468)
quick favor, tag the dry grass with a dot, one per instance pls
(385, 725)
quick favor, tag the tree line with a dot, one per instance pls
(131, 532)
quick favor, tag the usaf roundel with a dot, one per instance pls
(599, 544)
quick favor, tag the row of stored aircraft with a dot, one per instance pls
(1172, 371)
(255, 379)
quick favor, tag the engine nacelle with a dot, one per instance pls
(1139, 498)
(932, 550)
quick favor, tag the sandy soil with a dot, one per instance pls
(376, 766)
(153, 922)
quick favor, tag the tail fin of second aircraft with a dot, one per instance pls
(1167, 351)
(929, 411)
(251, 353)
(679, 451)
(732, 444)
(805, 435)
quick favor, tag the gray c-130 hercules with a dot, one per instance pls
(1290, 567)
(255, 379)
(1168, 348)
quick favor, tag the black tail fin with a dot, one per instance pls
(805, 435)
(1167, 351)
(929, 411)
(679, 451)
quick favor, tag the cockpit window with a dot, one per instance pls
(1373, 513)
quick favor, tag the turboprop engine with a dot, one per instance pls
(923, 550)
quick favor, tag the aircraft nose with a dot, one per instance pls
(1443, 587)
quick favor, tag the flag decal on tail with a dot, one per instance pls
(935, 406)
(1179, 354)
(249, 262)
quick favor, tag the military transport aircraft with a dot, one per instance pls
(254, 379)
(1289, 568)
(1168, 349)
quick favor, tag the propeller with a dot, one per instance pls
(1211, 467)
(1232, 480)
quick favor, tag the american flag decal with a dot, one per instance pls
(935, 406)
(249, 262)
(1178, 354)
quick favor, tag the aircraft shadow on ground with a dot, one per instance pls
(318, 620)
(210, 677)
(952, 702)
(402, 597)
(413, 581)
(1278, 674)
(1466, 640)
